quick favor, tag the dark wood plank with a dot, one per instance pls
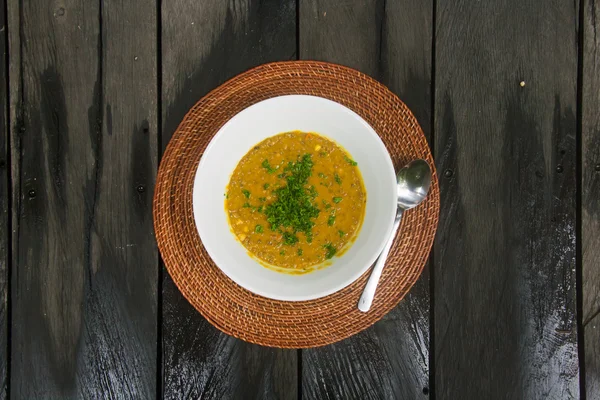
(505, 127)
(391, 41)
(590, 197)
(126, 281)
(203, 44)
(4, 207)
(84, 260)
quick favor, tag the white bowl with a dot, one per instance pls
(268, 118)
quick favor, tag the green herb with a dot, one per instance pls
(300, 252)
(351, 161)
(294, 208)
(262, 199)
(258, 229)
(226, 195)
(265, 164)
(309, 237)
(313, 192)
(338, 179)
(331, 220)
(260, 209)
(337, 199)
(321, 175)
(281, 175)
(246, 193)
(289, 238)
(331, 250)
(266, 186)
(323, 153)
(282, 253)
(246, 205)
(341, 233)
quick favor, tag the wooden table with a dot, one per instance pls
(508, 94)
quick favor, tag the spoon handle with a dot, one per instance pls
(366, 299)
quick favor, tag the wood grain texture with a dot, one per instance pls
(4, 207)
(390, 41)
(204, 44)
(590, 197)
(84, 258)
(505, 128)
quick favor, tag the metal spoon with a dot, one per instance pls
(413, 184)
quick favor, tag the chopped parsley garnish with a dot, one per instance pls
(258, 229)
(337, 199)
(226, 195)
(337, 179)
(246, 193)
(262, 199)
(351, 161)
(289, 238)
(260, 209)
(341, 233)
(265, 164)
(294, 208)
(321, 175)
(282, 253)
(246, 205)
(331, 250)
(331, 220)
(300, 252)
(266, 186)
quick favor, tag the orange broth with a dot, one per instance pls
(283, 179)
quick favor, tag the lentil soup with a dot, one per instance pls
(296, 200)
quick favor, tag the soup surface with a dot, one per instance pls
(296, 200)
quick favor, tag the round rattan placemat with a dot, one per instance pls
(237, 311)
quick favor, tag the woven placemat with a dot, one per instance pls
(237, 311)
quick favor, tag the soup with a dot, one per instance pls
(295, 200)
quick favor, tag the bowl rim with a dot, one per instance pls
(333, 288)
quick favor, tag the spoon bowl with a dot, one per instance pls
(414, 181)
